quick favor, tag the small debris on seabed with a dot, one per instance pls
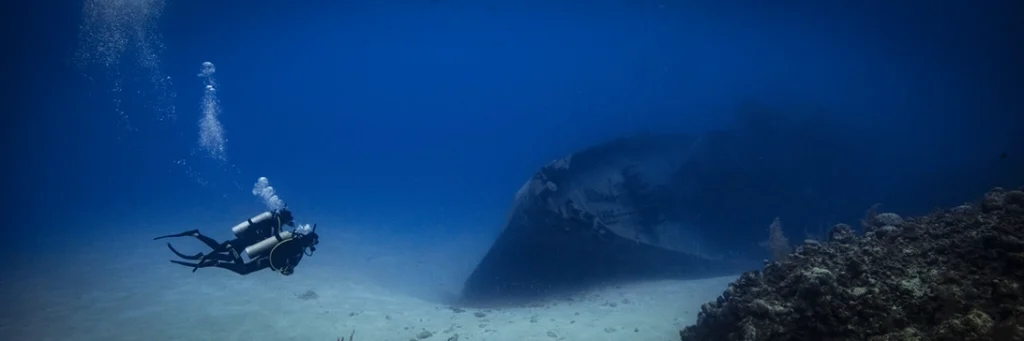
(308, 295)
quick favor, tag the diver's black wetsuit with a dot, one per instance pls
(236, 265)
(227, 255)
(282, 258)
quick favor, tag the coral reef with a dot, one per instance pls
(954, 274)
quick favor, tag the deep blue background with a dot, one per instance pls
(420, 113)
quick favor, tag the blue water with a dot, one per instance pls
(420, 119)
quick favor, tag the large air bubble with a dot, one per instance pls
(266, 193)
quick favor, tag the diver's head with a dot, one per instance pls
(311, 240)
(308, 237)
(288, 270)
(286, 216)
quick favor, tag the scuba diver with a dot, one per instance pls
(261, 238)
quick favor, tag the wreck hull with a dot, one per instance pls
(535, 261)
(606, 214)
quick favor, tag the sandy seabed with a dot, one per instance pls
(135, 294)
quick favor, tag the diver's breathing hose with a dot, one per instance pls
(271, 254)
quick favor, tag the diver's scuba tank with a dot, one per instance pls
(255, 250)
(258, 221)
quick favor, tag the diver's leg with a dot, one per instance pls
(191, 265)
(194, 266)
(236, 268)
(214, 257)
(213, 244)
(235, 255)
(219, 257)
(241, 269)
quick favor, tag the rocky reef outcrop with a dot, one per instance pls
(955, 274)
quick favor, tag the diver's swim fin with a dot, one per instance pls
(194, 266)
(184, 256)
(183, 234)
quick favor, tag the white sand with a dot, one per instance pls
(382, 295)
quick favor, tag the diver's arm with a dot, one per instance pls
(255, 265)
(241, 269)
